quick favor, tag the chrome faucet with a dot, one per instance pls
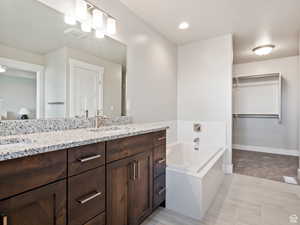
(196, 140)
(99, 119)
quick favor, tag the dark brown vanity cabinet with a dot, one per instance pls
(45, 205)
(116, 182)
(129, 189)
(159, 168)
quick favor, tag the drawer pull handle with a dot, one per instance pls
(89, 198)
(90, 158)
(161, 161)
(4, 220)
(162, 138)
(162, 191)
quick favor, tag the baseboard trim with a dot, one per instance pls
(279, 151)
(228, 168)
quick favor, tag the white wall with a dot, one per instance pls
(299, 111)
(204, 83)
(268, 132)
(21, 55)
(151, 64)
(55, 83)
(203, 76)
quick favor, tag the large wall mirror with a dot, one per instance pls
(49, 69)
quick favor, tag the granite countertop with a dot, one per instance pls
(17, 146)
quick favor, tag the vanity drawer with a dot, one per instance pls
(159, 138)
(159, 194)
(86, 157)
(23, 174)
(125, 147)
(98, 220)
(159, 160)
(86, 196)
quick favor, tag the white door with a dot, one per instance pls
(86, 88)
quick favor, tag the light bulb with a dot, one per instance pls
(111, 26)
(86, 27)
(2, 69)
(81, 10)
(98, 20)
(70, 19)
(183, 26)
(99, 34)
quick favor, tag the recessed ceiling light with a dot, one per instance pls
(184, 26)
(263, 49)
(2, 69)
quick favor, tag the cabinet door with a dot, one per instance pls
(129, 190)
(118, 175)
(43, 206)
(140, 190)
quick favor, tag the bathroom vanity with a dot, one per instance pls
(117, 181)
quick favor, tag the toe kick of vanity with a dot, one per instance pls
(117, 182)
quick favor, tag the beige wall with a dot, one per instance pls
(21, 55)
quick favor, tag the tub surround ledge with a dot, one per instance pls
(37, 143)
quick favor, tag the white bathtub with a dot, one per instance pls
(193, 178)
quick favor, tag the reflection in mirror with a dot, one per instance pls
(18, 94)
(49, 69)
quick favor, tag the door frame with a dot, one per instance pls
(77, 63)
(40, 81)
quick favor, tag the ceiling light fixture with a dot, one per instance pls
(263, 50)
(184, 26)
(111, 25)
(2, 69)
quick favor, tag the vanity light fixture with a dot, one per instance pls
(184, 26)
(90, 18)
(70, 20)
(86, 26)
(111, 25)
(2, 69)
(98, 19)
(81, 9)
(263, 50)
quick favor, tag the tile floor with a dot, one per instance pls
(243, 200)
(264, 165)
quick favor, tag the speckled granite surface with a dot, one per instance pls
(17, 146)
(15, 127)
